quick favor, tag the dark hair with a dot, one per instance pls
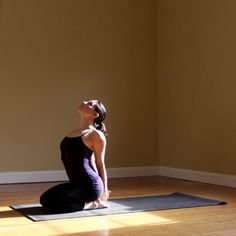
(98, 122)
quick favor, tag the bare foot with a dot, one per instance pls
(101, 204)
(90, 205)
(98, 204)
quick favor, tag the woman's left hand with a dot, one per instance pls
(105, 195)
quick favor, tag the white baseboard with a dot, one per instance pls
(60, 175)
(132, 171)
(198, 176)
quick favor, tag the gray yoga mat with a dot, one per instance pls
(176, 200)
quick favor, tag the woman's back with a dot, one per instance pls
(76, 157)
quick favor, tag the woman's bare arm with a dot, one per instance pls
(99, 147)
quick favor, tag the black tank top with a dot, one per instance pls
(76, 157)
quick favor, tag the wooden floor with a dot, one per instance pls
(214, 220)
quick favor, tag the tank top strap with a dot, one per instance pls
(85, 133)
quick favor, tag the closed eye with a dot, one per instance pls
(90, 104)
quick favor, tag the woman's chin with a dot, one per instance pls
(79, 108)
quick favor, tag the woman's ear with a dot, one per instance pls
(95, 114)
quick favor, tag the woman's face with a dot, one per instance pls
(87, 107)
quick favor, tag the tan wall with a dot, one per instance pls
(54, 54)
(196, 84)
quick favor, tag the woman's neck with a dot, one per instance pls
(86, 124)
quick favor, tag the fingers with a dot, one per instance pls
(105, 195)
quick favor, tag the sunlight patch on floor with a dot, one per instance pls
(106, 223)
(10, 217)
(11, 220)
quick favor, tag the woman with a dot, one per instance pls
(83, 154)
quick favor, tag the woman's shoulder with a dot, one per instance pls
(97, 135)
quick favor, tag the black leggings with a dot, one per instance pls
(67, 197)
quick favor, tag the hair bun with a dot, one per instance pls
(100, 126)
(98, 121)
